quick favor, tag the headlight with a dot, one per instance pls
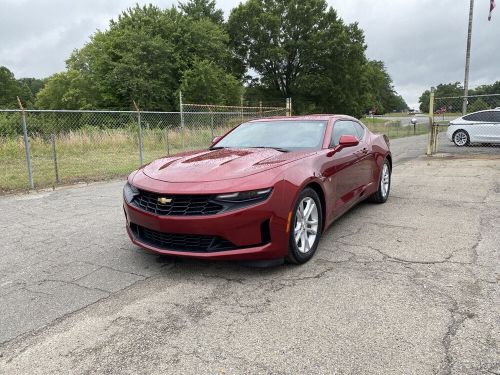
(130, 192)
(245, 196)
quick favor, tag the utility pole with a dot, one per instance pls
(467, 58)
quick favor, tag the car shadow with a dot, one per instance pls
(239, 270)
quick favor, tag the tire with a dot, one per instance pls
(384, 184)
(302, 249)
(461, 138)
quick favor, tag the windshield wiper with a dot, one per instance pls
(216, 148)
(274, 148)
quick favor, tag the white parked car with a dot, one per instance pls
(477, 127)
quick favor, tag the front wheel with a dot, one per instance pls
(461, 138)
(305, 227)
(384, 184)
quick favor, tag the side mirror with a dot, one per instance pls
(344, 142)
(348, 141)
(216, 139)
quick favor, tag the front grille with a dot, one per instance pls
(181, 242)
(181, 205)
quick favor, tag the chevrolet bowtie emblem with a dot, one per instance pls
(164, 200)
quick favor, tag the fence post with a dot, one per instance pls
(241, 105)
(260, 108)
(212, 124)
(139, 132)
(167, 141)
(26, 145)
(430, 143)
(54, 157)
(288, 107)
(436, 138)
(181, 107)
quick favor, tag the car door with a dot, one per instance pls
(367, 160)
(340, 171)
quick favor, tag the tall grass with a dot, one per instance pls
(90, 155)
(394, 129)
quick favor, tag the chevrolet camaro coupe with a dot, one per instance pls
(264, 192)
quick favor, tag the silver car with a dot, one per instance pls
(477, 127)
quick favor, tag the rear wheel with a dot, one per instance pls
(461, 138)
(384, 185)
(305, 227)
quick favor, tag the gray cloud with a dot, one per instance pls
(422, 42)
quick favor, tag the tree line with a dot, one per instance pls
(267, 50)
(454, 91)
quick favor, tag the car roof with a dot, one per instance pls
(314, 117)
(484, 110)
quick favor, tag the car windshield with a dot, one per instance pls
(286, 135)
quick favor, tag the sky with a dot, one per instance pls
(422, 42)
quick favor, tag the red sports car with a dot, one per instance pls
(265, 191)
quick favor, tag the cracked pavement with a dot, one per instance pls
(408, 287)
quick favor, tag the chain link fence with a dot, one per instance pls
(465, 125)
(397, 128)
(43, 148)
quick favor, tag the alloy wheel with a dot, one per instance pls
(460, 138)
(306, 225)
(385, 181)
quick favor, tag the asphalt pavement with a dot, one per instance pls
(446, 147)
(408, 287)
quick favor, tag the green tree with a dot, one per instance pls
(477, 104)
(301, 49)
(200, 9)
(493, 90)
(207, 83)
(380, 92)
(9, 89)
(144, 55)
(67, 90)
(30, 88)
(441, 91)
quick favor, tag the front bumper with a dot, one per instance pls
(258, 232)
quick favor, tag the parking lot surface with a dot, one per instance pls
(408, 287)
(445, 146)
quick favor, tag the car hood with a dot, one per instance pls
(216, 165)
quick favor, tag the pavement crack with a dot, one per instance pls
(457, 319)
(392, 258)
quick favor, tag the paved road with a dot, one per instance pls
(447, 147)
(414, 292)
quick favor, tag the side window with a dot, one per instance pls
(496, 116)
(341, 128)
(472, 117)
(486, 116)
(360, 130)
(489, 116)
